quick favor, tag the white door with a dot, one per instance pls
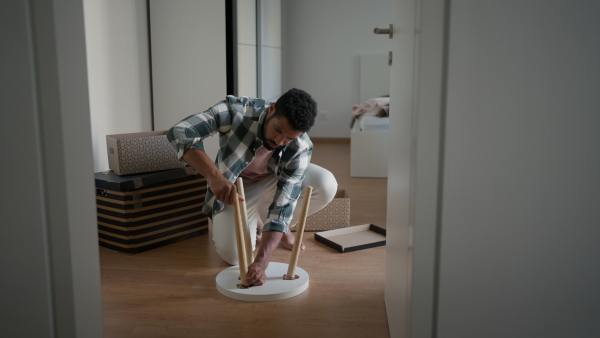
(188, 60)
(413, 171)
(398, 258)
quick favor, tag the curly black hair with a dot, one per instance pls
(298, 107)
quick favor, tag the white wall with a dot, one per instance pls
(118, 71)
(322, 41)
(50, 284)
(520, 221)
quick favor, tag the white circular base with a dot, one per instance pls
(275, 288)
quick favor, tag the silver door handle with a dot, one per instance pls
(389, 31)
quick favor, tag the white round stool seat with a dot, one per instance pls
(275, 288)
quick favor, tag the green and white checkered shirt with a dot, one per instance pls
(239, 122)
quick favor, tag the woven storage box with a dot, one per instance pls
(141, 212)
(137, 153)
(334, 216)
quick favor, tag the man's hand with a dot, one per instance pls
(224, 190)
(221, 187)
(256, 271)
(256, 274)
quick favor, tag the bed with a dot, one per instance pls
(370, 121)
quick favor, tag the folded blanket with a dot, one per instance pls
(369, 105)
(379, 112)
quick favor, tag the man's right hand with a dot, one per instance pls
(221, 187)
(224, 190)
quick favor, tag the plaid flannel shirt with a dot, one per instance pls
(239, 122)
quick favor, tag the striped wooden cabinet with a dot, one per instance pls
(144, 211)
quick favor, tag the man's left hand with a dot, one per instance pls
(256, 271)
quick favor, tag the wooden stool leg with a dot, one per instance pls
(240, 241)
(299, 233)
(244, 214)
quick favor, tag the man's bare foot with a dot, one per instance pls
(259, 227)
(288, 241)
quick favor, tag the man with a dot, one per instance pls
(267, 145)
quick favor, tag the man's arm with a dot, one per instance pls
(223, 189)
(256, 271)
(186, 138)
(291, 180)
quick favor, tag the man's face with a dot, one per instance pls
(277, 131)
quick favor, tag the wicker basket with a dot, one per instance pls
(334, 216)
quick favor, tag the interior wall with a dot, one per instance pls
(322, 42)
(50, 285)
(520, 216)
(118, 71)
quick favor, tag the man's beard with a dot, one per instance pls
(267, 144)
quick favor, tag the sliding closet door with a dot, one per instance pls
(245, 44)
(258, 48)
(188, 60)
(270, 49)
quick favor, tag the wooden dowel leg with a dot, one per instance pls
(299, 233)
(240, 241)
(244, 214)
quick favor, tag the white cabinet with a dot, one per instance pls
(369, 153)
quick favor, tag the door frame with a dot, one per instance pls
(417, 100)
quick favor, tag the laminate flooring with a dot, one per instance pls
(170, 291)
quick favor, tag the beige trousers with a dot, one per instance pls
(259, 195)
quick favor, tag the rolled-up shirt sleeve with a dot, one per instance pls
(289, 188)
(188, 133)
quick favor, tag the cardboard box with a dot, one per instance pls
(334, 216)
(140, 212)
(354, 238)
(137, 153)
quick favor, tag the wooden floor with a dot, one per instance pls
(170, 291)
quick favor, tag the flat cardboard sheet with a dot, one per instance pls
(354, 238)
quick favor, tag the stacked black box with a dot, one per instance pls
(144, 211)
